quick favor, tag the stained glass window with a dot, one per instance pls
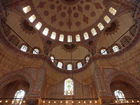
(119, 95)
(19, 95)
(68, 87)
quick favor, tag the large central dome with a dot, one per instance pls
(69, 15)
(70, 20)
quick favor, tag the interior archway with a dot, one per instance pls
(11, 88)
(127, 89)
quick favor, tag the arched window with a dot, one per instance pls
(100, 26)
(86, 36)
(78, 39)
(19, 95)
(79, 65)
(53, 35)
(32, 18)
(69, 67)
(45, 31)
(93, 31)
(24, 48)
(60, 65)
(61, 38)
(26, 9)
(119, 95)
(107, 19)
(69, 38)
(116, 48)
(68, 87)
(38, 25)
(112, 10)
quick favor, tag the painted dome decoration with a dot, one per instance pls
(69, 20)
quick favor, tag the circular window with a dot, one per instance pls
(36, 51)
(104, 52)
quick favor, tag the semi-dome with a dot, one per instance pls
(78, 52)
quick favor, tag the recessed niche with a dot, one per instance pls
(27, 27)
(112, 28)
